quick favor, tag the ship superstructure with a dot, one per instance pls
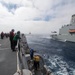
(67, 32)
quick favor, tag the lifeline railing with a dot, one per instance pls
(22, 66)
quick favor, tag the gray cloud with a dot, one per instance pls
(37, 16)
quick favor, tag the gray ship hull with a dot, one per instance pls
(64, 38)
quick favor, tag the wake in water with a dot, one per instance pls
(58, 65)
(55, 53)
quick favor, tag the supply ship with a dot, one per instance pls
(66, 32)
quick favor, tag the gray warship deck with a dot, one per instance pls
(7, 58)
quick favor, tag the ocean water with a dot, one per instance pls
(58, 56)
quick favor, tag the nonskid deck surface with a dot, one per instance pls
(7, 58)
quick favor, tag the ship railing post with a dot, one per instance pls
(19, 64)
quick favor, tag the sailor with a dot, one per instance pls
(15, 39)
(11, 36)
(36, 62)
(2, 35)
(31, 53)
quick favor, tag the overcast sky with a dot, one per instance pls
(35, 16)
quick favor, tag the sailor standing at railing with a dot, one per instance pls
(15, 40)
